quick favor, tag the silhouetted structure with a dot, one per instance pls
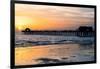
(27, 30)
(85, 29)
(82, 31)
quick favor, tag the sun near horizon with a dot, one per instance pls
(44, 17)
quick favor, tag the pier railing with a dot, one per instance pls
(64, 33)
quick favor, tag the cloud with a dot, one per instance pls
(73, 16)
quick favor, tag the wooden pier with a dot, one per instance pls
(82, 32)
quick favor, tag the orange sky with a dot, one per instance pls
(41, 17)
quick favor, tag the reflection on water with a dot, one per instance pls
(54, 54)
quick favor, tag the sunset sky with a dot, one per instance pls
(44, 17)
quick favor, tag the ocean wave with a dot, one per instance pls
(35, 40)
(35, 43)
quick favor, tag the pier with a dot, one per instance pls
(81, 31)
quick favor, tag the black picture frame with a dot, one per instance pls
(12, 35)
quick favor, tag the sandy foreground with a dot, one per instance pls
(59, 53)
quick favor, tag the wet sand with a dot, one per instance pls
(48, 54)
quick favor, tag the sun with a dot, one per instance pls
(22, 22)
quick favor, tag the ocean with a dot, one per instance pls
(51, 49)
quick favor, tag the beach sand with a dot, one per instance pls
(48, 54)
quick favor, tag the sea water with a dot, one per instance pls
(50, 49)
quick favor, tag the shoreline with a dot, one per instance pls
(53, 54)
